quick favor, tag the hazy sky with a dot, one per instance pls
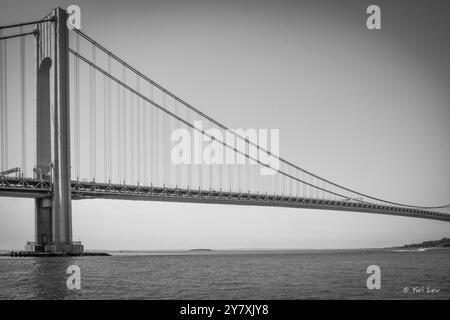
(367, 109)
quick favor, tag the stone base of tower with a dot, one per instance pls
(76, 248)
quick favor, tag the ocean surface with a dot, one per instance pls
(300, 274)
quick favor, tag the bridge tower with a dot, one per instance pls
(53, 215)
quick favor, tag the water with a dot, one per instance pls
(331, 274)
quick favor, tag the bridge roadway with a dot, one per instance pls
(40, 188)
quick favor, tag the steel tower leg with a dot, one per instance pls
(54, 215)
(43, 211)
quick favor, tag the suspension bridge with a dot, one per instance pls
(78, 122)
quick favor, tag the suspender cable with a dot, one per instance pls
(230, 173)
(239, 173)
(93, 122)
(91, 133)
(209, 166)
(94, 113)
(23, 104)
(132, 140)
(145, 143)
(5, 105)
(2, 153)
(293, 185)
(247, 167)
(189, 168)
(124, 119)
(119, 136)
(35, 49)
(177, 126)
(77, 109)
(200, 168)
(138, 130)
(163, 141)
(258, 173)
(105, 127)
(109, 133)
(152, 140)
(221, 169)
(156, 151)
(167, 160)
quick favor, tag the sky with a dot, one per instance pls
(368, 109)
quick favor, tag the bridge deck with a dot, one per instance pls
(34, 188)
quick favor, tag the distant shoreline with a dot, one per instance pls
(443, 243)
(433, 244)
(116, 253)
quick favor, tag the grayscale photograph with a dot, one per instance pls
(215, 151)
